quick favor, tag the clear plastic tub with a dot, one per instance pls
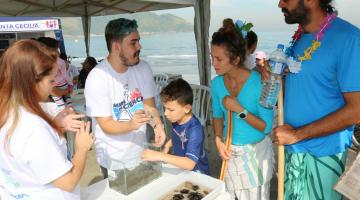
(133, 174)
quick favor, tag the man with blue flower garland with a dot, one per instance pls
(322, 99)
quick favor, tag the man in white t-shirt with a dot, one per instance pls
(117, 92)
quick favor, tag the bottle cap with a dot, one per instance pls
(280, 46)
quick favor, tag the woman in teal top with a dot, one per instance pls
(250, 159)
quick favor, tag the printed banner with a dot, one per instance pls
(29, 26)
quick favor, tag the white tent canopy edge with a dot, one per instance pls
(88, 8)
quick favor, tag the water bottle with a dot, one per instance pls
(271, 87)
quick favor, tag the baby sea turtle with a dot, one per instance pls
(178, 197)
(195, 187)
(195, 196)
(184, 191)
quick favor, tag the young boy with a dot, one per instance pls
(187, 138)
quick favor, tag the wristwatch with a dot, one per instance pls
(243, 114)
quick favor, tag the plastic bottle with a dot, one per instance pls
(271, 87)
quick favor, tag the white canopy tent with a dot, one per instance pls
(88, 8)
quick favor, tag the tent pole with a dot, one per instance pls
(86, 21)
(201, 30)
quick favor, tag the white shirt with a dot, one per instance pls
(36, 157)
(250, 61)
(72, 71)
(51, 108)
(109, 93)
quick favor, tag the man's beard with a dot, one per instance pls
(300, 15)
(127, 62)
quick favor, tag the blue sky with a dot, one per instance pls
(264, 14)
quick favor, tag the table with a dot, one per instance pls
(101, 190)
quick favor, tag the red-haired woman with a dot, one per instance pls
(33, 163)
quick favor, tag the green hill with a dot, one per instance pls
(147, 22)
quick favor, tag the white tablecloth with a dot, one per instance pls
(101, 190)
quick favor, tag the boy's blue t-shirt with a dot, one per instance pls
(188, 141)
(317, 90)
(248, 97)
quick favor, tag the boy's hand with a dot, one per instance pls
(156, 124)
(167, 146)
(166, 150)
(223, 152)
(160, 135)
(150, 155)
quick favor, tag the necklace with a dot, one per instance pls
(316, 42)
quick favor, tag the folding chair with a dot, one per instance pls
(201, 106)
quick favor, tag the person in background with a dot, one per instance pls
(321, 102)
(119, 95)
(238, 89)
(88, 64)
(62, 90)
(33, 163)
(260, 60)
(251, 45)
(188, 137)
(72, 71)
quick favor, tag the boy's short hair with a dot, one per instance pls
(177, 90)
(118, 29)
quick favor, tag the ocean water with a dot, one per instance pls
(173, 53)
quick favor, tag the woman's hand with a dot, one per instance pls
(232, 104)
(83, 138)
(223, 152)
(69, 120)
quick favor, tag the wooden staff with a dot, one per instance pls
(227, 145)
(281, 154)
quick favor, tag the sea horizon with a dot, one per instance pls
(169, 52)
